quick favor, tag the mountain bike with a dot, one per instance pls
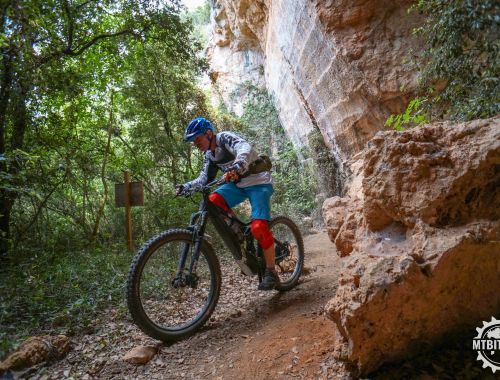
(174, 281)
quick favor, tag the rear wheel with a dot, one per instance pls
(289, 251)
(162, 305)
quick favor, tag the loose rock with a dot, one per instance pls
(36, 350)
(140, 354)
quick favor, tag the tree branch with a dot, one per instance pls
(78, 51)
(67, 10)
(19, 235)
(79, 6)
(104, 199)
(98, 38)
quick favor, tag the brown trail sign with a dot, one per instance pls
(128, 195)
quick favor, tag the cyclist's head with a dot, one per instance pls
(197, 127)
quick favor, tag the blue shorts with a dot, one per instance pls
(259, 196)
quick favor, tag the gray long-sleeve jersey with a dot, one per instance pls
(230, 148)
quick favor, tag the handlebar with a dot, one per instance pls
(218, 181)
(215, 182)
(208, 186)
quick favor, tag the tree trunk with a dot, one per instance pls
(8, 197)
(4, 99)
(104, 199)
(5, 209)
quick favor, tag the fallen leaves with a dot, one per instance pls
(240, 318)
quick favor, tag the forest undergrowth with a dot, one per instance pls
(89, 93)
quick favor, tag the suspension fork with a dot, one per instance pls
(198, 231)
(259, 253)
(182, 260)
(198, 234)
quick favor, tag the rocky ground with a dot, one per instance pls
(252, 335)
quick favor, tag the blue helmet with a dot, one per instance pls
(196, 128)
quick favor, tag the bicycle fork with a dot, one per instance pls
(190, 278)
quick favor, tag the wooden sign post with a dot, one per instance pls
(128, 195)
(128, 214)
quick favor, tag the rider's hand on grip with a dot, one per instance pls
(233, 173)
(237, 167)
(231, 176)
(181, 190)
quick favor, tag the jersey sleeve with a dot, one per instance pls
(207, 174)
(240, 148)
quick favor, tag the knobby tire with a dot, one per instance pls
(135, 303)
(292, 281)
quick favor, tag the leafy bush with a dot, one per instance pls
(414, 115)
(459, 65)
(294, 186)
(59, 291)
(294, 183)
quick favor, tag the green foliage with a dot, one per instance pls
(200, 17)
(294, 185)
(459, 65)
(462, 49)
(414, 115)
(58, 291)
(95, 110)
(259, 114)
(94, 88)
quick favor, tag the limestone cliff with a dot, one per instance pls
(419, 231)
(335, 65)
(419, 227)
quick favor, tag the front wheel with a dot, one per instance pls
(164, 305)
(289, 251)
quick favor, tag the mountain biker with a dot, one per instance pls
(233, 155)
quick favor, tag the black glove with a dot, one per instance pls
(181, 190)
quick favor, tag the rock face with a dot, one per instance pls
(330, 65)
(235, 53)
(420, 233)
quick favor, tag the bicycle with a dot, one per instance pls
(174, 281)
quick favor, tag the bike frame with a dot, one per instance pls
(197, 225)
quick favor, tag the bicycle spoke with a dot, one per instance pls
(166, 305)
(288, 250)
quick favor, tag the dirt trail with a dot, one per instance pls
(290, 336)
(252, 334)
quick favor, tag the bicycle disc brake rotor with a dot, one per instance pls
(282, 251)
